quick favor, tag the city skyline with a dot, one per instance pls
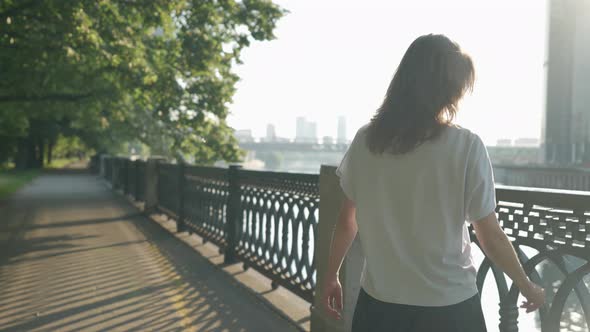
(344, 69)
(341, 137)
(306, 131)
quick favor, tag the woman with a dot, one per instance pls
(414, 181)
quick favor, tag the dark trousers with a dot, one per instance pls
(372, 315)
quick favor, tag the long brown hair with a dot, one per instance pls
(422, 97)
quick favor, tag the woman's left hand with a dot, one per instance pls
(332, 297)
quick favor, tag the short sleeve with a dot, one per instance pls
(480, 192)
(346, 171)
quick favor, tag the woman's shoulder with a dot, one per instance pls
(462, 133)
(363, 129)
(361, 133)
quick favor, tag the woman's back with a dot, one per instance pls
(412, 180)
(411, 213)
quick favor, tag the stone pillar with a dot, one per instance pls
(331, 197)
(151, 183)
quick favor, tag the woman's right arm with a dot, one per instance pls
(499, 249)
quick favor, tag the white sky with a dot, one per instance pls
(337, 57)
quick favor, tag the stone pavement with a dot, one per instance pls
(75, 257)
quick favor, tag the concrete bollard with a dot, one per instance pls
(331, 197)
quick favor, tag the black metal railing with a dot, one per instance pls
(279, 214)
(108, 169)
(168, 189)
(130, 177)
(555, 226)
(269, 221)
(139, 177)
(206, 189)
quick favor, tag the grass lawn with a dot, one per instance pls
(60, 163)
(12, 180)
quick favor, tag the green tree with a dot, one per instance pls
(114, 71)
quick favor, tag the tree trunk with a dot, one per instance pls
(41, 152)
(20, 159)
(31, 161)
(49, 152)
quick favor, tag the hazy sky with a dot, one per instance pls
(335, 57)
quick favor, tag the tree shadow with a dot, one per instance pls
(146, 281)
(71, 223)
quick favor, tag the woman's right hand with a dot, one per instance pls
(332, 298)
(535, 296)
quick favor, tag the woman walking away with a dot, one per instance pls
(413, 182)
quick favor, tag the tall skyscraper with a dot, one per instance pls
(566, 122)
(312, 132)
(306, 131)
(300, 129)
(271, 135)
(341, 137)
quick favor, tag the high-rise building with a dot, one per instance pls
(341, 137)
(306, 131)
(271, 135)
(312, 131)
(566, 123)
(300, 130)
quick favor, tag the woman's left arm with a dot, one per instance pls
(344, 233)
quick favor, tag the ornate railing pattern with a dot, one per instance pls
(206, 191)
(269, 221)
(557, 226)
(279, 220)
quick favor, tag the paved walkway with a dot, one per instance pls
(75, 257)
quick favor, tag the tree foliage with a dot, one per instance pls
(112, 71)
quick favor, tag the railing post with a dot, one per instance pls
(151, 183)
(108, 169)
(102, 162)
(508, 317)
(331, 197)
(126, 179)
(136, 179)
(111, 168)
(234, 214)
(180, 223)
(116, 173)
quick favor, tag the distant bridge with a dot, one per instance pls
(292, 146)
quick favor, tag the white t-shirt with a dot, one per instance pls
(411, 211)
